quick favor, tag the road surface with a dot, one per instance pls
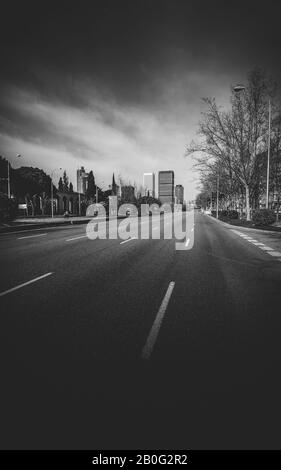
(106, 344)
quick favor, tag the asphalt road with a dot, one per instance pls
(139, 345)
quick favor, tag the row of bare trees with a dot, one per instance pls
(232, 146)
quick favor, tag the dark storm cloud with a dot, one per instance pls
(120, 81)
(121, 41)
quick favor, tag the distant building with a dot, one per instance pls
(115, 191)
(82, 180)
(149, 184)
(166, 186)
(179, 194)
(128, 193)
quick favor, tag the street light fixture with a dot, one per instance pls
(8, 178)
(52, 192)
(238, 88)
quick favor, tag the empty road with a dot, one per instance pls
(133, 344)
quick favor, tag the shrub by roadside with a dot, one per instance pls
(264, 217)
(226, 214)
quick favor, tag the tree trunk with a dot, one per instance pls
(248, 214)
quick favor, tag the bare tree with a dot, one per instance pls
(232, 139)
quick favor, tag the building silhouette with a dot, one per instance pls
(82, 180)
(149, 184)
(179, 194)
(128, 193)
(166, 186)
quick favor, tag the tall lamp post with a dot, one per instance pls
(218, 184)
(238, 89)
(268, 153)
(52, 192)
(9, 178)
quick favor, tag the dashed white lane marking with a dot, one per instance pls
(128, 240)
(76, 238)
(24, 284)
(270, 251)
(187, 242)
(192, 229)
(33, 236)
(152, 337)
(274, 253)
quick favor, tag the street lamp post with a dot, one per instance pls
(268, 154)
(218, 183)
(52, 193)
(52, 198)
(8, 178)
(8, 181)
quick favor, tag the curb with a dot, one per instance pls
(30, 226)
(239, 227)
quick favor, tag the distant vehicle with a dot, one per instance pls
(128, 212)
(208, 212)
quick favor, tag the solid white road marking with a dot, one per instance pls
(32, 236)
(128, 240)
(24, 284)
(76, 238)
(266, 248)
(152, 337)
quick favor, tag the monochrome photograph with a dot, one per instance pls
(140, 228)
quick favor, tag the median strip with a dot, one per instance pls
(152, 337)
(24, 284)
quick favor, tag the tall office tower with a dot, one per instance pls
(82, 180)
(166, 186)
(149, 184)
(179, 194)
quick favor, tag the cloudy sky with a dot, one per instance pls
(116, 85)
